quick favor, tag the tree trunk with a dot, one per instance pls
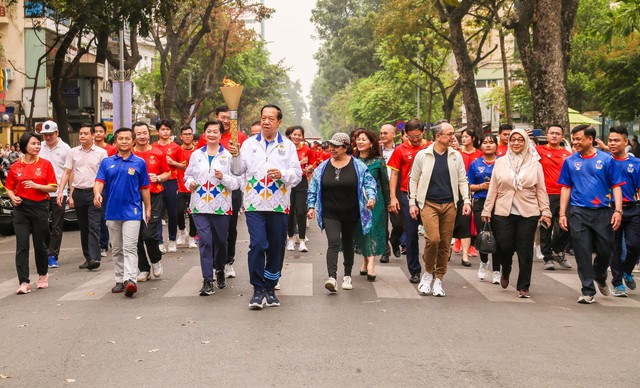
(57, 83)
(505, 70)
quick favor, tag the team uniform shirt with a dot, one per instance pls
(84, 165)
(306, 152)
(174, 151)
(629, 168)
(156, 164)
(468, 158)
(402, 159)
(224, 140)
(186, 154)
(212, 195)
(323, 155)
(261, 192)
(501, 150)
(111, 150)
(41, 172)
(123, 179)
(590, 179)
(551, 161)
(478, 173)
(57, 156)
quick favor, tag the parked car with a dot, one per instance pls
(6, 214)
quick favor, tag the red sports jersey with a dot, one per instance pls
(501, 150)
(174, 151)
(468, 158)
(186, 153)
(156, 164)
(552, 161)
(40, 172)
(111, 150)
(224, 140)
(402, 159)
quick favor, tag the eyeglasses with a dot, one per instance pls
(419, 136)
(516, 140)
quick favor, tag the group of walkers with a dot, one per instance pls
(354, 186)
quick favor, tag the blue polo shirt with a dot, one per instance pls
(590, 179)
(630, 170)
(480, 172)
(123, 180)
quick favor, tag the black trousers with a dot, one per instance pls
(339, 233)
(478, 205)
(298, 214)
(183, 206)
(515, 234)
(89, 221)
(397, 228)
(630, 230)
(553, 239)
(591, 230)
(149, 235)
(56, 224)
(30, 219)
(236, 204)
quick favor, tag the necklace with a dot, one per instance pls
(337, 173)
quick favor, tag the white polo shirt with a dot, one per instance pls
(57, 155)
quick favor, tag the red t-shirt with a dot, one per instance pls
(306, 152)
(501, 150)
(468, 158)
(111, 150)
(40, 172)
(186, 154)
(156, 164)
(174, 151)
(552, 161)
(324, 155)
(401, 160)
(224, 140)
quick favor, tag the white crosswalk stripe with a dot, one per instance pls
(297, 279)
(94, 289)
(391, 282)
(493, 292)
(9, 287)
(572, 281)
(188, 285)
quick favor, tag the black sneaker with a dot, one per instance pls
(84, 265)
(396, 250)
(93, 264)
(384, 259)
(118, 288)
(415, 278)
(130, 288)
(272, 299)
(257, 300)
(207, 288)
(220, 279)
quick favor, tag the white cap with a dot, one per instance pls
(49, 127)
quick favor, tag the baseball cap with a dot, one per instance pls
(340, 139)
(49, 127)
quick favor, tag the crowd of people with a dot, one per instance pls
(371, 194)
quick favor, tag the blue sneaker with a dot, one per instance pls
(629, 281)
(53, 263)
(257, 301)
(272, 299)
(620, 291)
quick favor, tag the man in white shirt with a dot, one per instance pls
(55, 151)
(387, 145)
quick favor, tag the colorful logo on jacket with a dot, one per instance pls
(209, 191)
(266, 187)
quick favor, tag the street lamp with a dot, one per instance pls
(5, 123)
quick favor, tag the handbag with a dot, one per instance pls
(485, 241)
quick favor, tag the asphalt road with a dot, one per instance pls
(76, 333)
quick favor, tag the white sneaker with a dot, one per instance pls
(306, 239)
(636, 269)
(346, 283)
(164, 223)
(537, 252)
(143, 276)
(277, 287)
(482, 272)
(192, 243)
(291, 245)
(424, 288)
(303, 247)
(103, 253)
(330, 284)
(182, 236)
(496, 277)
(157, 269)
(172, 246)
(229, 272)
(437, 288)
(163, 248)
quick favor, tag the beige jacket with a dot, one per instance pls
(531, 201)
(422, 168)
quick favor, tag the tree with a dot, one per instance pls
(544, 30)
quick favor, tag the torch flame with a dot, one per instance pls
(229, 83)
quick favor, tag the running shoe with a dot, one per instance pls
(482, 272)
(272, 299)
(130, 288)
(43, 281)
(495, 279)
(620, 291)
(424, 288)
(586, 299)
(52, 262)
(257, 300)
(346, 283)
(24, 288)
(331, 285)
(629, 281)
(437, 288)
(207, 288)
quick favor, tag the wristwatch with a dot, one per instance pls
(618, 211)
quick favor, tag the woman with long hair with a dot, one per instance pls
(516, 203)
(373, 243)
(298, 214)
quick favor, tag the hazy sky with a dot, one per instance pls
(289, 34)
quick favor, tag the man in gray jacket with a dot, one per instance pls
(437, 180)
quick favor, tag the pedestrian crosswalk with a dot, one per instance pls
(304, 279)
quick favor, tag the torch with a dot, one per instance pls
(231, 93)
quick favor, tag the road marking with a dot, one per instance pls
(391, 282)
(9, 287)
(94, 289)
(493, 292)
(573, 281)
(188, 285)
(297, 279)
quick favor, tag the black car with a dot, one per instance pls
(6, 214)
